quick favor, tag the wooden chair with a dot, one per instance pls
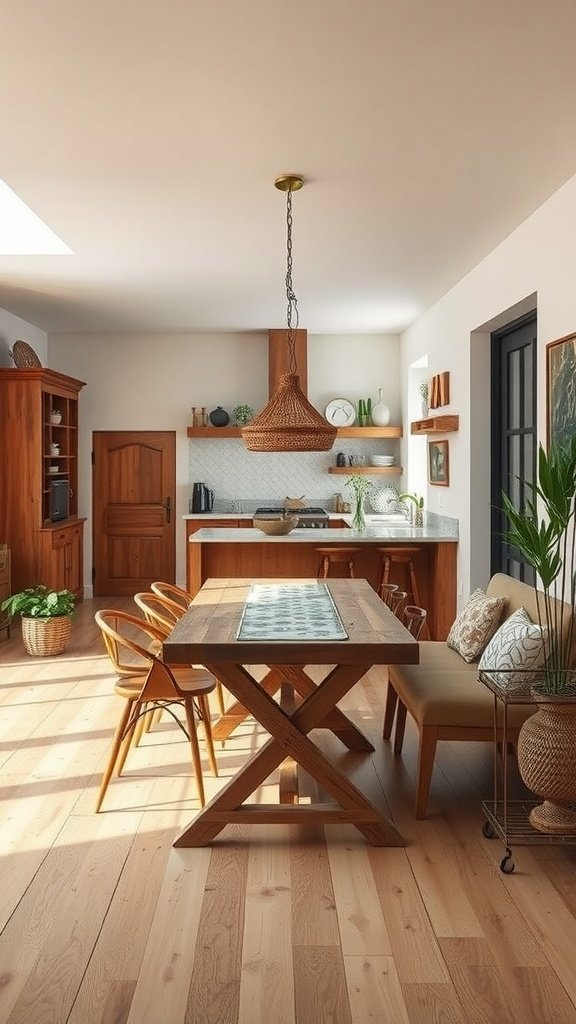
(146, 682)
(401, 556)
(387, 592)
(163, 605)
(413, 618)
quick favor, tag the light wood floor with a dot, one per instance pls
(102, 921)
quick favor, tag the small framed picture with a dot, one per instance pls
(561, 389)
(438, 470)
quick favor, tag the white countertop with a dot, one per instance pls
(239, 535)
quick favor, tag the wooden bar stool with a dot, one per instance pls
(404, 556)
(334, 556)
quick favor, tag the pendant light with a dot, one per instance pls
(289, 423)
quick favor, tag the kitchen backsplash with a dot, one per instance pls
(268, 477)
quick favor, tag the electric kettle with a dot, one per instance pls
(202, 498)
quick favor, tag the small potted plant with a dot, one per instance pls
(242, 415)
(417, 503)
(46, 618)
(361, 487)
(423, 389)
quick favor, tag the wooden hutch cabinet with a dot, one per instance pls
(39, 478)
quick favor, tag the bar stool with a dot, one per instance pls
(333, 556)
(400, 556)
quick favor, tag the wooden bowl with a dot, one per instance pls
(276, 527)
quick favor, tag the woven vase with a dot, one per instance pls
(46, 637)
(547, 762)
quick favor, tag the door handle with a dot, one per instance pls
(168, 507)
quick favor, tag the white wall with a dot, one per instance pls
(150, 382)
(12, 329)
(534, 266)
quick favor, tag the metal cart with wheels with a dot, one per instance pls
(509, 819)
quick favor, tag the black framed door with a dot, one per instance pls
(514, 436)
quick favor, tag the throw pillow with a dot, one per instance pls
(475, 625)
(515, 648)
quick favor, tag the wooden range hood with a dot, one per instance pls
(278, 358)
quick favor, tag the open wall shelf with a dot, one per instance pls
(435, 425)
(357, 432)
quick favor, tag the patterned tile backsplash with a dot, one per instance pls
(242, 480)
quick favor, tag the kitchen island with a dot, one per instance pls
(221, 552)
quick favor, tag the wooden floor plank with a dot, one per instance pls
(314, 918)
(267, 985)
(362, 926)
(374, 989)
(320, 986)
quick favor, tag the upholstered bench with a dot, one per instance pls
(445, 697)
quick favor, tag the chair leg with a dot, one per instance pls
(400, 726)
(426, 753)
(205, 709)
(220, 697)
(130, 738)
(116, 744)
(391, 702)
(197, 763)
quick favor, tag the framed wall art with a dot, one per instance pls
(561, 389)
(438, 468)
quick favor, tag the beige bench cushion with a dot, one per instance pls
(444, 690)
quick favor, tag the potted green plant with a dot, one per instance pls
(361, 486)
(544, 532)
(417, 509)
(46, 618)
(242, 414)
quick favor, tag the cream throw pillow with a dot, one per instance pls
(515, 648)
(476, 624)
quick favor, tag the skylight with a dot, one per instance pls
(22, 233)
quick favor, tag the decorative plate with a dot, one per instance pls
(340, 412)
(24, 355)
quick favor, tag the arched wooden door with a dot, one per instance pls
(133, 488)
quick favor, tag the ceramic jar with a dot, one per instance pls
(380, 411)
(219, 417)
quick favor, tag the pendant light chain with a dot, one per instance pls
(292, 308)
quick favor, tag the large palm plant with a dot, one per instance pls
(544, 531)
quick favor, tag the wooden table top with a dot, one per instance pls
(207, 630)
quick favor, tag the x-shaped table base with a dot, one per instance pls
(289, 738)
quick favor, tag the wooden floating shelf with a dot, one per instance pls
(435, 425)
(364, 470)
(341, 432)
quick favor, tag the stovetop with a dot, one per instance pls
(279, 510)
(314, 518)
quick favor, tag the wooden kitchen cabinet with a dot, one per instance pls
(39, 448)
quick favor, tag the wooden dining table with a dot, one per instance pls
(287, 702)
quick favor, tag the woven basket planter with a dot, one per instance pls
(46, 637)
(547, 762)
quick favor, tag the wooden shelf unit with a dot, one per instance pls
(43, 551)
(365, 470)
(435, 425)
(357, 432)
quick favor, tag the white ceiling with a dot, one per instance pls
(148, 136)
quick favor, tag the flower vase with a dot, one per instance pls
(380, 411)
(359, 519)
(425, 409)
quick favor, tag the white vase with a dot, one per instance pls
(425, 409)
(380, 411)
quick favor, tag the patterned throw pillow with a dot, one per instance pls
(476, 624)
(514, 649)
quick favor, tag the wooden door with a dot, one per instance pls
(133, 488)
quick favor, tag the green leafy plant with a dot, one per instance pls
(361, 486)
(40, 603)
(417, 500)
(242, 414)
(423, 389)
(548, 544)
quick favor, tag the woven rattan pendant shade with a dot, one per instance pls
(289, 423)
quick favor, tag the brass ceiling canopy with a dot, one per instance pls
(289, 423)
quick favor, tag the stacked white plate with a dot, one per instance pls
(382, 460)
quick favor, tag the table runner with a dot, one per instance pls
(290, 611)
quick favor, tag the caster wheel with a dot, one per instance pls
(507, 865)
(488, 830)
